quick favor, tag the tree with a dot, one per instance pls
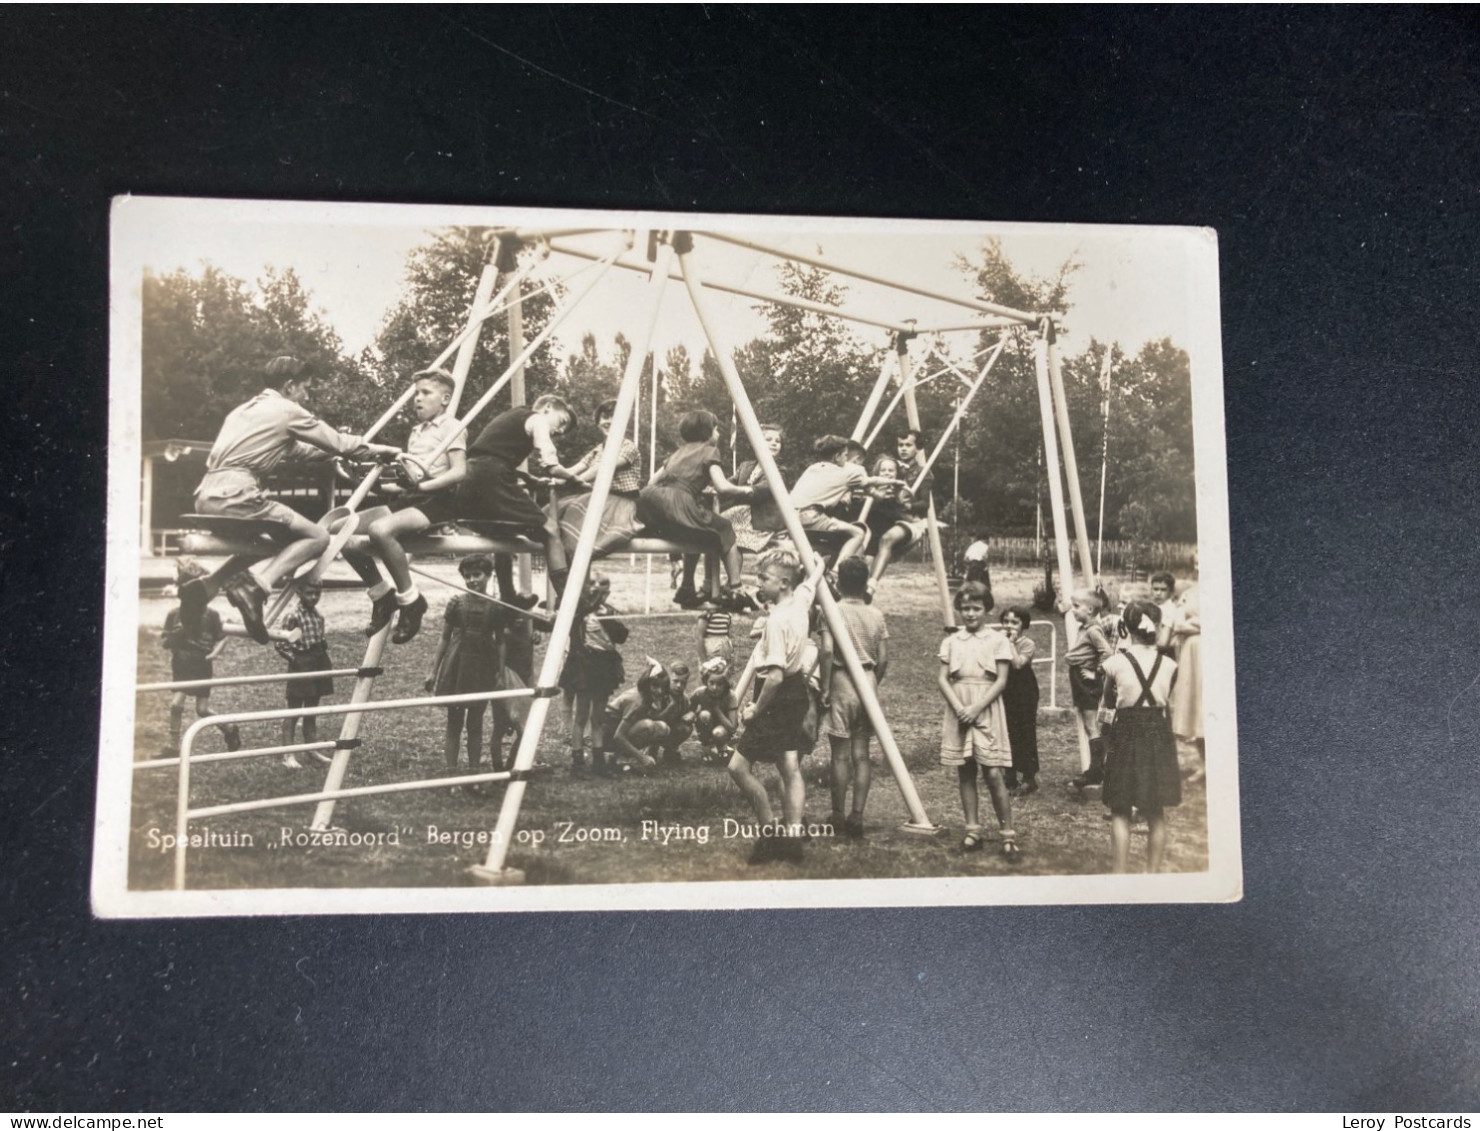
(441, 280)
(206, 339)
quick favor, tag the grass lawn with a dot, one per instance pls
(601, 820)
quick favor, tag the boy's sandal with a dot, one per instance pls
(973, 840)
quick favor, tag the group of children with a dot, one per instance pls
(801, 688)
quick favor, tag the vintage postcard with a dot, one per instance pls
(479, 559)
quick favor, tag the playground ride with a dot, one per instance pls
(244, 542)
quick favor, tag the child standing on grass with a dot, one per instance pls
(307, 650)
(1141, 757)
(1086, 682)
(467, 660)
(601, 636)
(713, 628)
(191, 658)
(775, 722)
(848, 727)
(714, 711)
(975, 664)
(1020, 702)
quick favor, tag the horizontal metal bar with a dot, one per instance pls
(242, 680)
(233, 755)
(814, 261)
(351, 709)
(759, 296)
(336, 794)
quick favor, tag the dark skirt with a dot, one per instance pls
(783, 726)
(675, 513)
(573, 671)
(1020, 704)
(1141, 761)
(469, 665)
(316, 659)
(190, 665)
(491, 492)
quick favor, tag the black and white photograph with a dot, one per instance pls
(490, 559)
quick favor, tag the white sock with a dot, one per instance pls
(409, 597)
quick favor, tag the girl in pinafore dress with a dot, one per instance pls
(1140, 754)
(975, 662)
(467, 659)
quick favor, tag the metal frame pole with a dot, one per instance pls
(1104, 454)
(814, 261)
(492, 871)
(842, 638)
(962, 404)
(1071, 464)
(871, 406)
(932, 528)
(1056, 502)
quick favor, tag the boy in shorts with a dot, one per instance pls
(847, 725)
(775, 722)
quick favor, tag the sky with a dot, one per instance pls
(1134, 284)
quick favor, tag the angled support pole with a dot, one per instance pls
(932, 528)
(492, 870)
(1056, 502)
(505, 258)
(842, 638)
(1071, 464)
(871, 406)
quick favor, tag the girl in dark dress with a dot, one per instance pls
(1020, 701)
(467, 660)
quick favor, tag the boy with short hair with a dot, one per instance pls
(1164, 597)
(775, 722)
(828, 483)
(848, 727)
(271, 429)
(1086, 677)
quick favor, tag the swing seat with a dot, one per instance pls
(237, 529)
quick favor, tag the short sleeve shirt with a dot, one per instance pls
(975, 655)
(784, 638)
(866, 626)
(428, 436)
(826, 485)
(1123, 685)
(689, 467)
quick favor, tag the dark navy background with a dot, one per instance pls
(1335, 151)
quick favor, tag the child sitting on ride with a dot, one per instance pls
(911, 526)
(634, 728)
(713, 628)
(883, 509)
(618, 516)
(270, 430)
(848, 727)
(673, 504)
(829, 483)
(714, 711)
(306, 649)
(191, 657)
(489, 489)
